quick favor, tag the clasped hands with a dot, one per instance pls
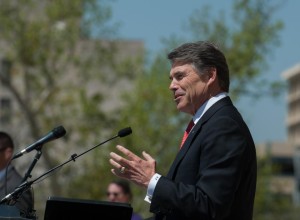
(132, 167)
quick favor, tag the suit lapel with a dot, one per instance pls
(196, 130)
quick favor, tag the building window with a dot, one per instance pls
(5, 110)
(283, 166)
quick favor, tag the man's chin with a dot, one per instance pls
(184, 110)
(180, 108)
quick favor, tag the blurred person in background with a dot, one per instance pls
(25, 202)
(119, 191)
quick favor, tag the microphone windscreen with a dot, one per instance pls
(59, 131)
(124, 132)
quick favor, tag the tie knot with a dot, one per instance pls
(187, 131)
(190, 126)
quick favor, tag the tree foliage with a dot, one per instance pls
(55, 40)
(246, 41)
(59, 74)
(248, 37)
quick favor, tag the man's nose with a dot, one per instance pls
(173, 85)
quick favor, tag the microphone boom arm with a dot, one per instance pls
(25, 185)
(35, 160)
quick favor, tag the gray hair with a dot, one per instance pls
(203, 56)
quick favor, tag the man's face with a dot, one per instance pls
(5, 156)
(189, 88)
(116, 194)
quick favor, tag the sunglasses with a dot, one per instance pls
(3, 149)
(115, 194)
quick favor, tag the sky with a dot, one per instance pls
(151, 21)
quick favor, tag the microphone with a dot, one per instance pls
(124, 132)
(18, 191)
(121, 133)
(55, 133)
(52, 135)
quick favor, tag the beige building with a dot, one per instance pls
(285, 156)
(281, 156)
(292, 76)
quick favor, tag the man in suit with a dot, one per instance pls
(214, 173)
(7, 185)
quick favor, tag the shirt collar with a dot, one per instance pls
(2, 174)
(206, 105)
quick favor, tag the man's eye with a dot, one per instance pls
(179, 76)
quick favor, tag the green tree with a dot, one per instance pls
(59, 72)
(247, 38)
(251, 35)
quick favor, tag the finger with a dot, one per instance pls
(116, 172)
(127, 152)
(120, 165)
(121, 175)
(147, 156)
(115, 164)
(115, 156)
(119, 159)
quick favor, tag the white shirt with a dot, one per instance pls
(200, 112)
(2, 174)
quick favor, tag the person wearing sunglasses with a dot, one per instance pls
(120, 191)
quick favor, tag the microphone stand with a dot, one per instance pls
(36, 158)
(26, 185)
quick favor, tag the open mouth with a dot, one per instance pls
(177, 97)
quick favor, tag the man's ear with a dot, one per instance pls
(212, 75)
(8, 153)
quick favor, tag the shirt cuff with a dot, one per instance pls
(151, 187)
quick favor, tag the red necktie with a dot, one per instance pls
(187, 131)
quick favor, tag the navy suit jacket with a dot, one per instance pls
(214, 174)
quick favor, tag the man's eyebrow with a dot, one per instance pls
(179, 72)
